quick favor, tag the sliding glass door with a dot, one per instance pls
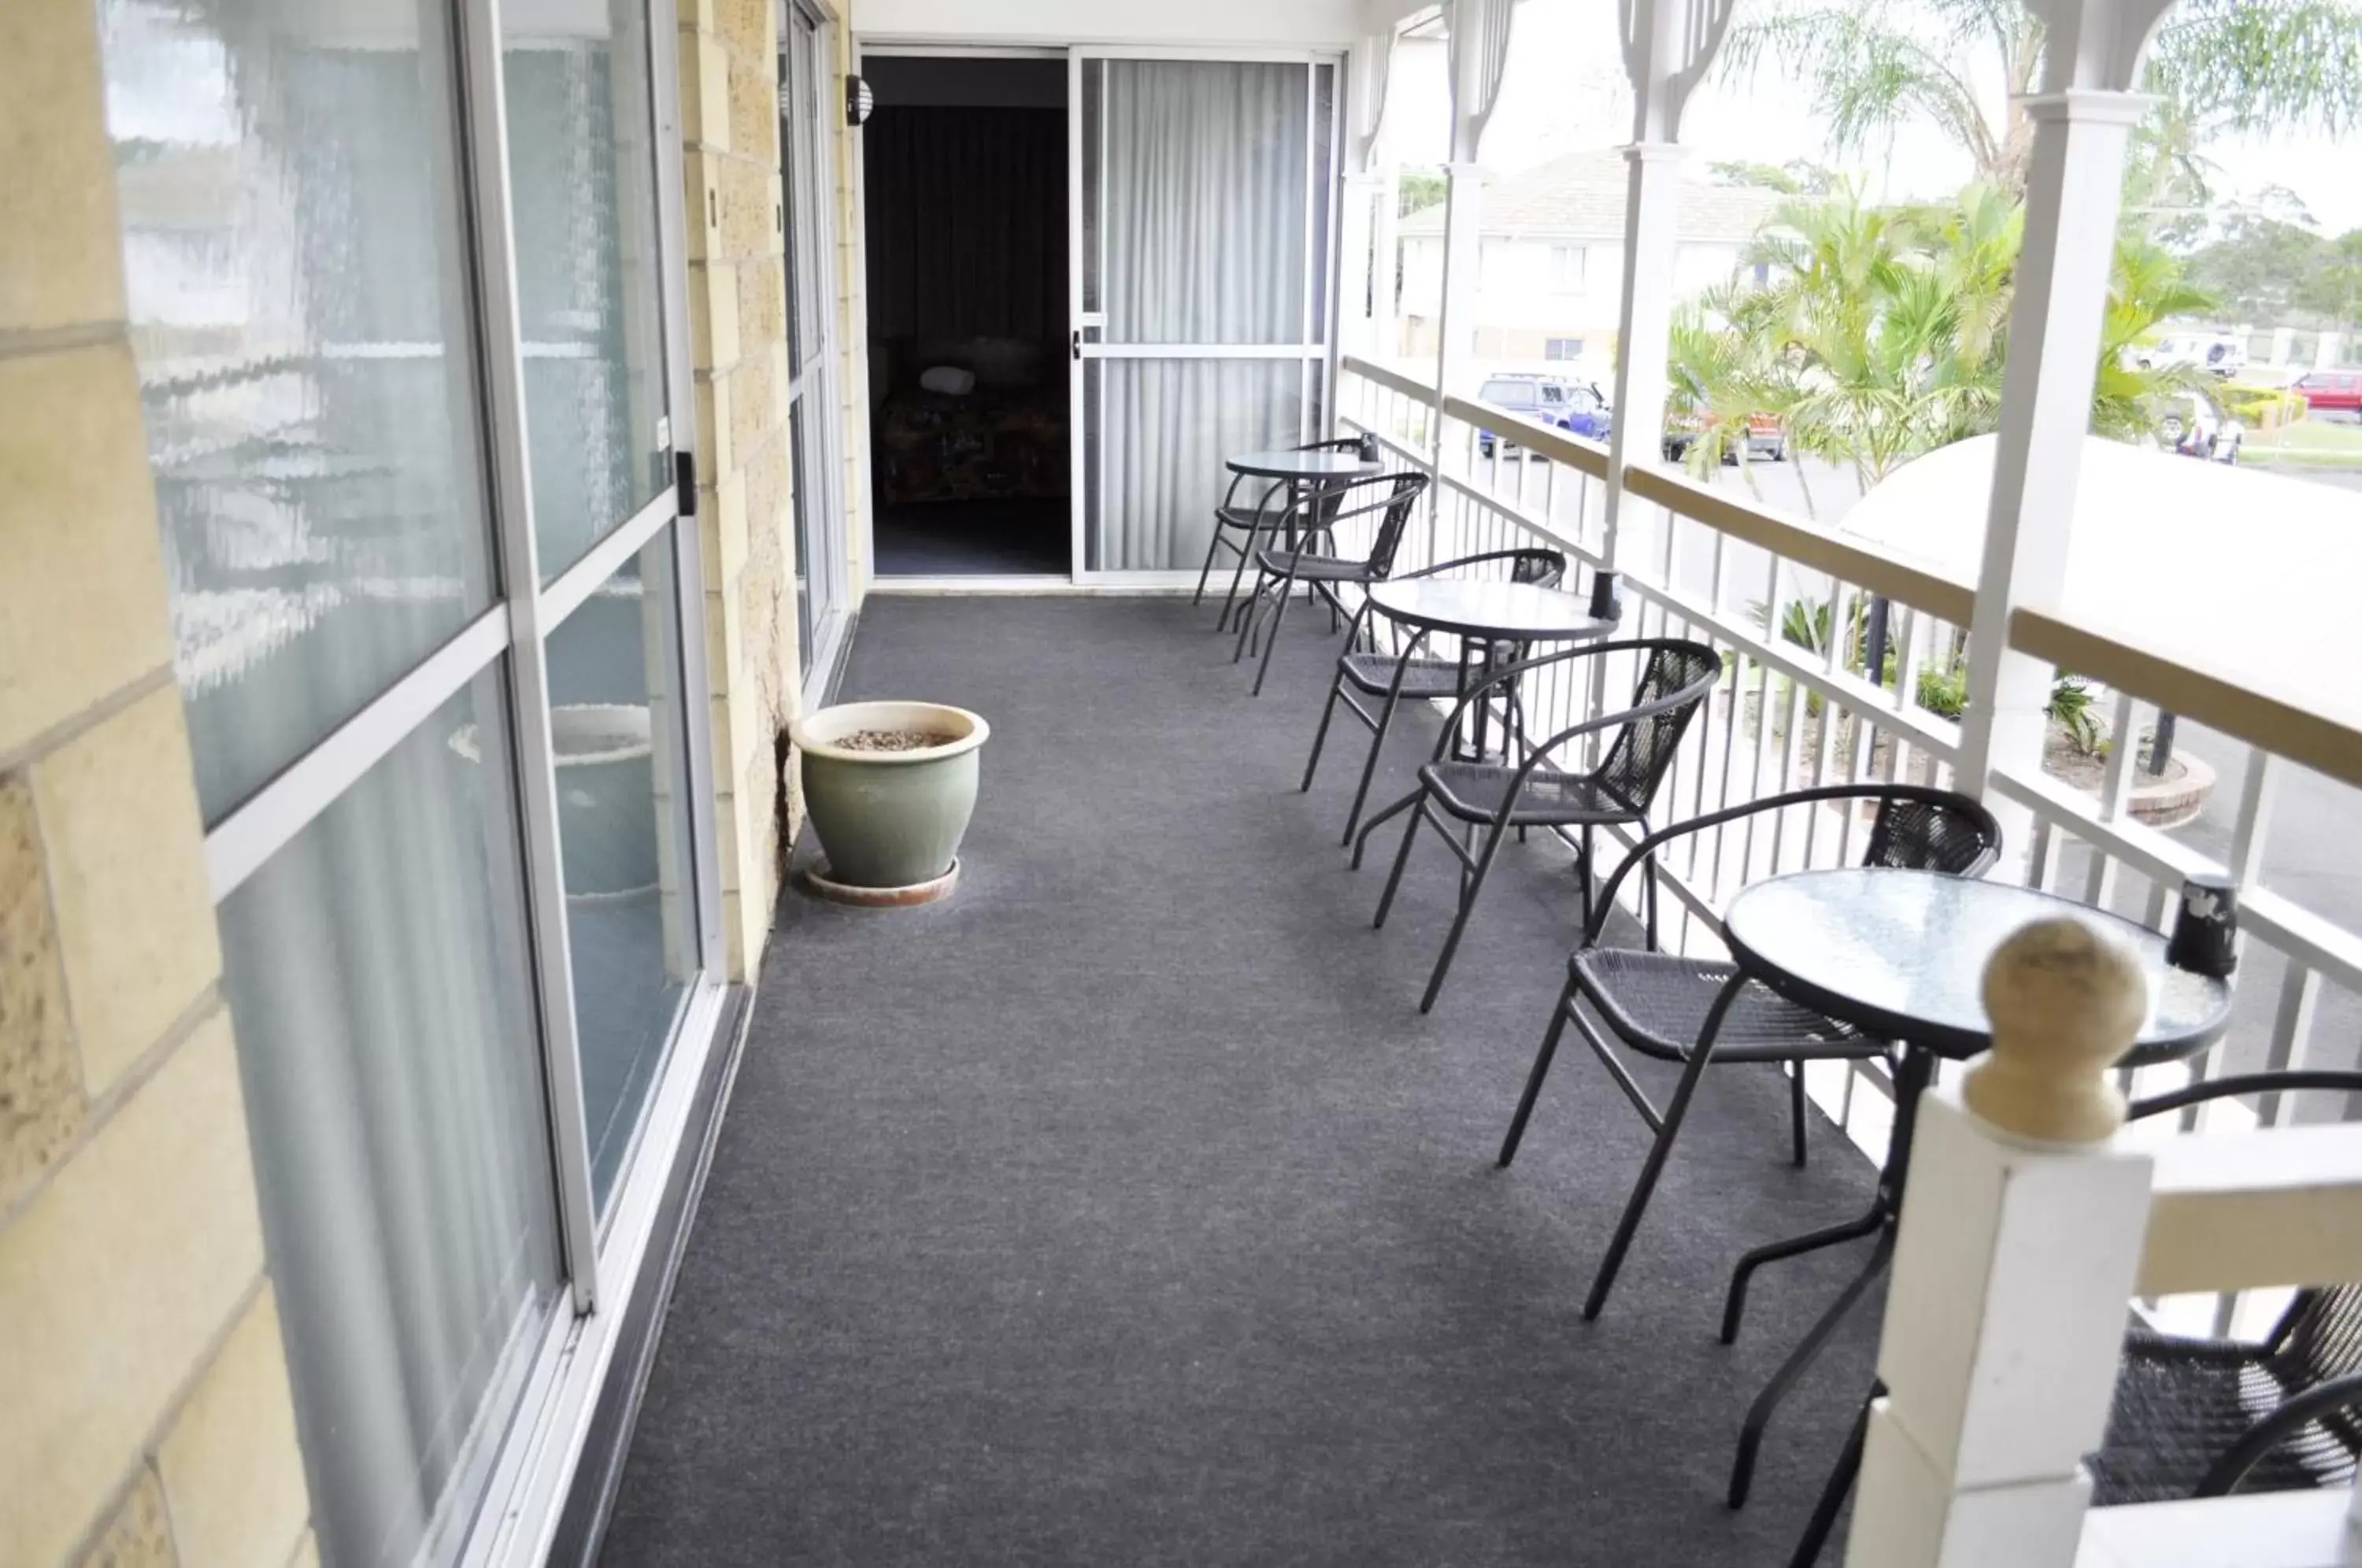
(806, 61)
(1201, 246)
(408, 344)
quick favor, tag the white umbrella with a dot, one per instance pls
(2250, 575)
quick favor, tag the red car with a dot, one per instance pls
(2331, 391)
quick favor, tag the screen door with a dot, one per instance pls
(1200, 284)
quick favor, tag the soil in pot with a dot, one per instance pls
(892, 740)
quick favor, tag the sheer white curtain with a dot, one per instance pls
(1202, 197)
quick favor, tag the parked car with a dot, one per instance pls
(2198, 429)
(1767, 439)
(1580, 408)
(2216, 354)
(2331, 391)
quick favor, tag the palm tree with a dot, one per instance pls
(1882, 333)
(2214, 66)
(1889, 322)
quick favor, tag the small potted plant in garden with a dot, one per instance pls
(888, 786)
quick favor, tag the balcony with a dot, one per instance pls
(1124, 1208)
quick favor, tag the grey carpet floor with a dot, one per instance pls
(1124, 1209)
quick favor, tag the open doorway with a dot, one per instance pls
(965, 164)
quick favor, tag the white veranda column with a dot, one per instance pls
(1366, 243)
(1479, 41)
(1464, 217)
(2082, 121)
(1668, 45)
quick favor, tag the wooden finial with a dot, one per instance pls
(2066, 1003)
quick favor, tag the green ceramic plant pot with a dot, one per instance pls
(888, 819)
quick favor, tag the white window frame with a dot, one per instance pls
(528, 1455)
(1561, 266)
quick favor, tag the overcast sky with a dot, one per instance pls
(1565, 91)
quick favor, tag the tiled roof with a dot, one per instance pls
(1581, 196)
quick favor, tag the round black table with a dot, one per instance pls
(1901, 955)
(1303, 473)
(1485, 616)
(1303, 468)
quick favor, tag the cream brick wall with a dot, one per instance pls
(737, 306)
(146, 1420)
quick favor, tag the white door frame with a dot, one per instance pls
(1317, 357)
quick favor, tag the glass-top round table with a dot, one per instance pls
(1487, 616)
(1304, 467)
(1488, 611)
(1901, 955)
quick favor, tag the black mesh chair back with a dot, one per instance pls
(1934, 831)
(1388, 499)
(1542, 569)
(1392, 523)
(1636, 763)
(2319, 1341)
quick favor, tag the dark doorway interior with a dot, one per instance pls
(964, 162)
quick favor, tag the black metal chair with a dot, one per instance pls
(1676, 1008)
(1388, 498)
(1675, 678)
(2203, 1418)
(1252, 520)
(1408, 672)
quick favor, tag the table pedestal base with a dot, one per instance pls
(1912, 1074)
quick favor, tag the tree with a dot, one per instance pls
(2215, 65)
(1882, 331)
(1881, 335)
(1421, 188)
(1797, 177)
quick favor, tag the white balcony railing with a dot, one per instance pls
(1703, 562)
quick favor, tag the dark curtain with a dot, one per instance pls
(967, 223)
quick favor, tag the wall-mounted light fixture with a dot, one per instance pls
(858, 100)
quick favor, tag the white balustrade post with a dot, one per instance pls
(2020, 1246)
(1668, 45)
(2082, 120)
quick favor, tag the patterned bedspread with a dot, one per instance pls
(996, 441)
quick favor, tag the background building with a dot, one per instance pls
(1552, 259)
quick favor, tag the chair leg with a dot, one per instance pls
(1402, 858)
(1660, 1151)
(1247, 608)
(1206, 570)
(1534, 1079)
(1471, 887)
(1321, 738)
(1796, 1112)
(1238, 575)
(1271, 638)
(1370, 762)
(1362, 840)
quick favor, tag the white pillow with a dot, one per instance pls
(949, 380)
